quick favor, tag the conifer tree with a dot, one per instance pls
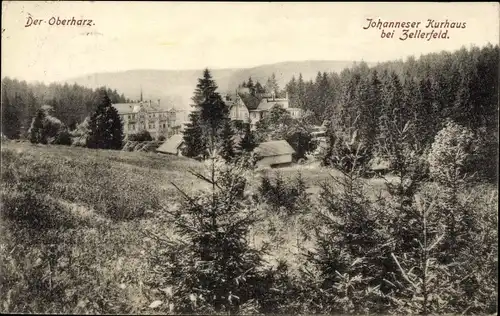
(212, 110)
(227, 145)
(205, 88)
(259, 89)
(301, 93)
(425, 119)
(10, 117)
(349, 242)
(372, 107)
(212, 268)
(105, 126)
(250, 86)
(272, 85)
(291, 88)
(248, 142)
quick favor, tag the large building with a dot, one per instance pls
(250, 109)
(149, 116)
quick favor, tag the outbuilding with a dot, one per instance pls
(274, 154)
(172, 146)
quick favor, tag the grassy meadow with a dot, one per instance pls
(77, 225)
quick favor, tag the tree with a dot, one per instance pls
(194, 143)
(291, 89)
(105, 126)
(37, 134)
(272, 85)
(212, 110)
(247, 143)
(205, 88)
(349, 242)
(212, 267)
(10, 118)
(259, 89)
(250, 86)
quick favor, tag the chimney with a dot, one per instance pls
(272, 94)
(149, 103)
(158, 102)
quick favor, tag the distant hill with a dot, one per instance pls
(175, 87)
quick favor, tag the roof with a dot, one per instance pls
(274, 148)
(266, 105)
(171, 145)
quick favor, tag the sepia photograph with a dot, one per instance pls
(216, 158)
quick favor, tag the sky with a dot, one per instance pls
(194, 35)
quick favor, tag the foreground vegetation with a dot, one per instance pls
(94, 231)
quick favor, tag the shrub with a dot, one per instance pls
(48, 129)
(63, 138)
(142, 136)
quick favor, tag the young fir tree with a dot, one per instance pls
(259, 89)
(426, 121)
(36, 132)
(105, 126)
(212, 268)
(213, 112)
(251, 86)
(349, 243)
(205, 88)
(247, 143)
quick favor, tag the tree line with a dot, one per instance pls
(71, 104)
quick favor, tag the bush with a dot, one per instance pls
(63, 138)
(48, 129)
(142, 136)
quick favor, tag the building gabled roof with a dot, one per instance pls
(124, 108)
(274, 148)
(171, 145)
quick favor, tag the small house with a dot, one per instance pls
(172, 146)
(274, 154)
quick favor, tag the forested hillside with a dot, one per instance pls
(461, 86)
(21, 100)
